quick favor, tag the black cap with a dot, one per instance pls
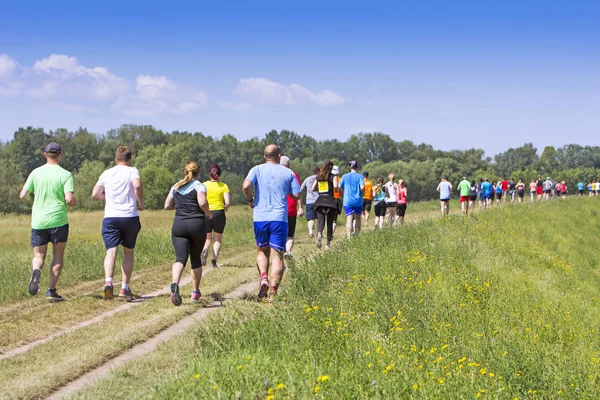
(53, 148)
(366, 173)
(353, 164)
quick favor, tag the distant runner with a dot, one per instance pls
(352, 185)
(499, 192)
(533, 189)
(402, 202)
(521, 190)
(121, 188)
(580, 186)
(272, 183)
(512, 190)
(445, 189)
(464, 187)
(504, 185)
(540, 189)
(188, 198)
(295, 210)
(486, 190)
(379, 203)
(547, 185)
(337, 193)
(472, 195)
(326, 205)
(311, 197)
(219, 200)
(563, 189)
(391, 198)
(52, 187)
(367, 197)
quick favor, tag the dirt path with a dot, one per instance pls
(148, 346)
(97, 318)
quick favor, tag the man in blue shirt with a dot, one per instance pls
(445, 189)
(272, 183)
(352, 186)
(486, 189)
(580, 186)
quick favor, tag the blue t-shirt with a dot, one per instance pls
(580, 186)
(445, 188)
(499, 189)
(353, 184)
(272, 183)
(486, 188)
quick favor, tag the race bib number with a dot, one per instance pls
(323, 187)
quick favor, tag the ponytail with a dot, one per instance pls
(191, 170)
(215, 172)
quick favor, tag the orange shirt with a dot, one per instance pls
(336, 192)
(368, 192)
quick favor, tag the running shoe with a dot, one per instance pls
(310, 236)
(126, 294)
(175, 297)
(203, 257)
(319, 239)
(214, 263)
(264, 288)
(108, 291)
(195, 297)
(52, 296)
(34, 282)
(272, 294)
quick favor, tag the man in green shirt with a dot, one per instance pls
(52, 187)
(464, 188)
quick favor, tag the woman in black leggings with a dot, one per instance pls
(326, 204)
(188, 198)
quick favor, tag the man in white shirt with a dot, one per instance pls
(121, 188)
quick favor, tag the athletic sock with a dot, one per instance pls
(109, 280)
(125, 286)
(264, 276)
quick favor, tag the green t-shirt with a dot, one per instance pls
(465, 187)
(49, 183)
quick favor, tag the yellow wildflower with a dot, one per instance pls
(197, 376)
(280, 386)
(323, 378)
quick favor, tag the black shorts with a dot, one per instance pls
(401, 210)
(521, 194)
(367, 205)
(291, 226)
(581, 192)
(310, 214)
(41, 237)
(217, 223)
(120, 231)
(392, 204)
(380, 207)
(188, 236)
(473, 197)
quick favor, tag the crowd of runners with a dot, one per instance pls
(272, 189)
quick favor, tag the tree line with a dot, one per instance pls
(160, 157)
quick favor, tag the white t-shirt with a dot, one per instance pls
(391, 189)
(118, 188)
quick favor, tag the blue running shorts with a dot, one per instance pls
(271, 233)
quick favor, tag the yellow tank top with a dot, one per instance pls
(214, 195)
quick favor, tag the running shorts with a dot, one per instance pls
(380, 208)
(446, 199)
(41, 237)
(352, 210)
(291, 226)
(539, 191)
(120, 231)
(464, 199)
(521, 194)
(401, 209)
(473, 198)
(271, 233)
(217, 222)
(367, 205)
(487, 196)
(310, 215)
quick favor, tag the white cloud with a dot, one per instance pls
(263, 91)
(62, 79)
(8, 66)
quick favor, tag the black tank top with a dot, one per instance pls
(186, 200)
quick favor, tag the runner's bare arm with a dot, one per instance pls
(139, 192)
(169, 203)
(201, 197)
(24, 193)
(247, 188)
(70, 199)
(227, 200)
(98, 192)
(314, 186)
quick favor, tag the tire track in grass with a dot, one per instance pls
(148, 346)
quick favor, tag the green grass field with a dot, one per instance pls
(500, 304)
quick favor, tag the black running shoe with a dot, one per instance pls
(203, 257)
(34, 282)
(175, 296)
(214, 264)
(52, 296)
(263, 288)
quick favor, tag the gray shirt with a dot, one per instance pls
(311, 196)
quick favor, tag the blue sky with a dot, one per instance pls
(451, 74)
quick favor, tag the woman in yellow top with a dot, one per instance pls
(217, 195)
